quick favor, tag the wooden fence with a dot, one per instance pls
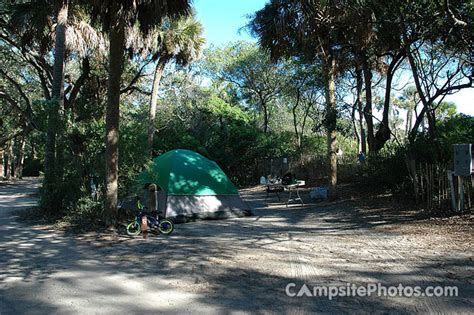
(437, 189)
(433, 186)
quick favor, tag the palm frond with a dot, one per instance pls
(147, 13)
(82, 37)
(32, 22)
(181, 39)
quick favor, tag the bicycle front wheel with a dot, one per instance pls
(133, 228)
(165, 227)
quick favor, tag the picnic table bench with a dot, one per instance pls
(293, 188)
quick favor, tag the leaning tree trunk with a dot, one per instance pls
(331, 119)
(20, 159)
(418, 121)
(57, 106)
(117, 46)
(354, 124)
(426, 102)
(362, 144)
(384, 132)
(153, 101)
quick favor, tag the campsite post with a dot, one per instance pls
(152, 197)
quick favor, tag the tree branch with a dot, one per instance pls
(451, 16)
(79, 83)
(18, 132)
(26, 115)
(17, 86)
(132, 89)
(131, 85)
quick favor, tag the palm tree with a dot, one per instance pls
(56, 117)
(35, 13)
(32, 21)
(179, 39)
(115, 16)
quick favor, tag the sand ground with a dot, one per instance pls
(238, 265)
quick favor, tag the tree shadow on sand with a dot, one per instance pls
(217, 266)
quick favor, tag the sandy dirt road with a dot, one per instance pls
(231, 266)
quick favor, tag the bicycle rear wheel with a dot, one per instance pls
(134, 228)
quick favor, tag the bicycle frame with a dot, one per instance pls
(152, 221)
(149, 222)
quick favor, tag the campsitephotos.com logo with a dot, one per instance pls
(371, 289)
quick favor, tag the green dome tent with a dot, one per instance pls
(192, 187)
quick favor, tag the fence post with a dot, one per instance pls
(451, 186)
(439, 184)
(460, 193)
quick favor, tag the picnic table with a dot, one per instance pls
(293, 188)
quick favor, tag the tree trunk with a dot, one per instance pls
(354, 123)
(424, 100)
(431, 118)
(331, 119)
(305, 117)
(362, 144)
(265, 120)
(409, 121)
(418, 121)
(1, 164)
(56, 107)
(368, 106)
(264, 106)
(265, 115)
(153, 101)
(33, 151)
(8, 159)
(20, 159)
(61, 129)
(295, 123)
(116, 52)
(384, 132)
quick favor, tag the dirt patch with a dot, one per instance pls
(244, 264)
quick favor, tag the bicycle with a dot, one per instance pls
(163, 225)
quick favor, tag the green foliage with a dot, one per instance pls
(388, 171)
(445, 111)
(454, 130)
(132, 145)
(220, 108)
(180, 39)
(250, 71)
(86, 215)
(239, 105)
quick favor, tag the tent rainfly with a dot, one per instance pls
(191, 186)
